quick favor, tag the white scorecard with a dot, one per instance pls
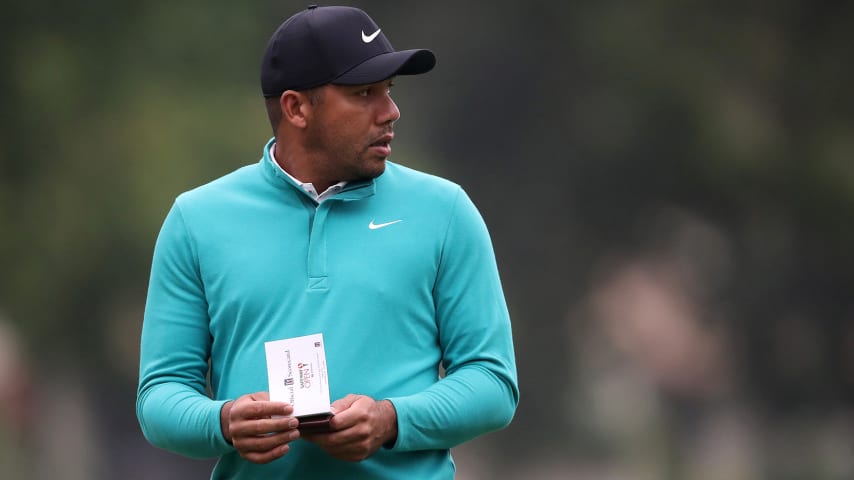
(296, 371)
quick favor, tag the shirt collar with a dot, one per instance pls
(307, 186)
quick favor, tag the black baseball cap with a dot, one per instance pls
(339, 45)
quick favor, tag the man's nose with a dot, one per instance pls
(389, 112)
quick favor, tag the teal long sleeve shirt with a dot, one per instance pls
(250, 258)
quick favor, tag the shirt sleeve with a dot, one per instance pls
(479, 392)
(173, 409)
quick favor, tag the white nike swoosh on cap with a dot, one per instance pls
(374, 226)
(370, 38)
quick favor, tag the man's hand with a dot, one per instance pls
(360, 426)
(249, 425)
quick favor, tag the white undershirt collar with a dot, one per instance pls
(308, 186)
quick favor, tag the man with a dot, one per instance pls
(394, 267)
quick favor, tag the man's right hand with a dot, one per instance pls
(259, 429)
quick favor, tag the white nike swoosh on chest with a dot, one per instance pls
(374, 226)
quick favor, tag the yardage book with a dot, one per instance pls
(296, 372)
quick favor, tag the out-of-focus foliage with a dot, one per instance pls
(669, 187)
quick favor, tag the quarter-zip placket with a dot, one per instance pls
(318, 273)
(318, 280)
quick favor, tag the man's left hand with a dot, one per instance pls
(360, 426)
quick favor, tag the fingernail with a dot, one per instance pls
(293, 423)
(294, 435)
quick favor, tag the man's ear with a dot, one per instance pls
(296, 108)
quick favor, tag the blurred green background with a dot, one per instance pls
(669, 186)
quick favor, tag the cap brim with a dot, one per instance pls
(387, 65)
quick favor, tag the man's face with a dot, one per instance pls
(350, 131)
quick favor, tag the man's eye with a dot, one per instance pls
(363, 93)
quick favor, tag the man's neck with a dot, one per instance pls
(285, 160)
(318, 190)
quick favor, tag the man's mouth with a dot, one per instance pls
(383, 141)
(383, 144)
